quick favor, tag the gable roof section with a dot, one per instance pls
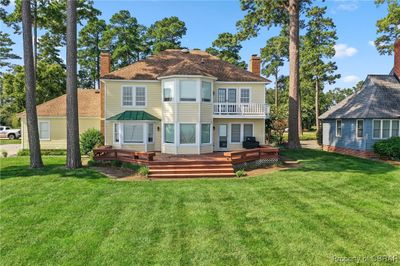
(378, 98)
(176, 62)
(88, 105)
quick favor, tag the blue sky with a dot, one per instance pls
(355, 21)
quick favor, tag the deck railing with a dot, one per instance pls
(264, 152)
(241, 109)
(110, 154)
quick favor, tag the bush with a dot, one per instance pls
(143, 171)
(240, 173)
(388, 148)
(90, 139)
(48, 152)
(4, 154)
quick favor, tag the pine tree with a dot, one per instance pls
(388, 28)
(6, 53)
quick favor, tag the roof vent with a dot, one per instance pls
(185, 50)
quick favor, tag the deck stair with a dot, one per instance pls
(191, 168)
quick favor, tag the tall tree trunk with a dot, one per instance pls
(300, 116)
(317, 104)
(293, 139)
(73, 149)
(35, 37)
(31, 114)
(276, 90)
(97, 63)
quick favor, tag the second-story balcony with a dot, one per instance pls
(241, 110)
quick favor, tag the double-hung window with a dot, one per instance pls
(168, 91)
(205, 133)
(244, 95)
(133, 133)
(338, 128)
(169, 133)
(133, 96)
(235, 133)
(44, 130)
(247, 131)
(205, 91)
(187, 133)
(188, 90)
(376, 129)
(395, 128)
(385, 128)
(360, 128)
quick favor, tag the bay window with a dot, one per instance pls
(187, 133)
(188, 90)
(205, 133)
(206, 91)
(133, 133)
(169, 133)
(168, 91)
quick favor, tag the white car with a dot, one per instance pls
(7, 132)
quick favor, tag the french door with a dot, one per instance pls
(227, 96)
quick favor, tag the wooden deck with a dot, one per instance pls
(217, 164)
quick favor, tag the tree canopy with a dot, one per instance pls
(388, 28)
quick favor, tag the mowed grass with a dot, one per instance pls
(332, 205)
(10, 141)
(307, 135)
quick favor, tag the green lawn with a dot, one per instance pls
(10, 141)
(311, 135)
(332, 206)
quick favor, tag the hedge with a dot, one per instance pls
(389, 148)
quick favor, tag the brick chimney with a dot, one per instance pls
(105, 68)
(105, 62)
(254, 65)
(397, 58)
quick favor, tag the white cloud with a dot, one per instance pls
(347, 6)
(350, 78)
(343, 50)
(372, 43)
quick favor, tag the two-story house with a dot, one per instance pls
(182, 102)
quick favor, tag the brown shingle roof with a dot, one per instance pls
(88, 105)
(177, 62)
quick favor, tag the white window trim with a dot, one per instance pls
(211, 96)
(357, 137)
(163, 134)
(122, 140)
(48, 124)
(373, 128)
(341, 128)
(173, 89)
(133, 88)
(211, 132)
(196, 143)
(198, 87)
(391, 127)
(240, 95)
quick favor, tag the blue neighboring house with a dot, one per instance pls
(371, 114)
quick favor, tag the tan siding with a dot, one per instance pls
(206, 112)
(188, 112)
(258, 130)
(58, 131)
(114, 100)
(168, 115)
(188, 149)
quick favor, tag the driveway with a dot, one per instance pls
(11, 149)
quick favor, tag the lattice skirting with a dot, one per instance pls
(255, 164)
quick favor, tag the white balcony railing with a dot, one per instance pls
(241, 110)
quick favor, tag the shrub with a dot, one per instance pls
(388, 148)
(143, 171)
(4, 154)
(240, 173)
(90, 139)
(25, 152)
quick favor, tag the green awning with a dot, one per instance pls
(133, 116)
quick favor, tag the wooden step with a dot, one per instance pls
(194, 166)
(189, 162)
(192, 171)
(191, 175)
